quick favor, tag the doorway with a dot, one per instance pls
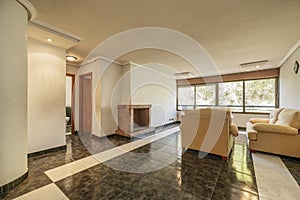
(70, 81)
(85, 103)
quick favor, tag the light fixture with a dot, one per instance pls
(71, 58)
(184, 74)
(49, 40)
(250, 66)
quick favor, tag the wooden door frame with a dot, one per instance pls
(72, 101)
(81, 99)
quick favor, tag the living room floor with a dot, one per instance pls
(152, 167)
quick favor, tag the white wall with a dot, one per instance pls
(68, 91)
(152, 87)
(13, 91)
(241, 119)
(72, 69)
(103, 83)
(46, 96)
(115, 85)
(289, 83)
(109, 97)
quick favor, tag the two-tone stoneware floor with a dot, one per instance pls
(152, 167)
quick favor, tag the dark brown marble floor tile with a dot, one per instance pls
(239, 180)
(153, 187)
(224, 191)
(243, 167)
(168, 175)
(201, 186)
(34, 181)
(293, 165)
(87, 185)
(136, 196)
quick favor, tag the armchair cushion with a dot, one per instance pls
(259, 120)
(274, 115)
(289, 117)
(274, 128)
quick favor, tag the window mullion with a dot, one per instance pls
(244, 100)
(195, 97)
(217, 94)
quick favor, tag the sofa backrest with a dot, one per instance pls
(211, 113)
(289, 117)
(274, 115)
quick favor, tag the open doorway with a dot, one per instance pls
(70, 81)
(85, 103)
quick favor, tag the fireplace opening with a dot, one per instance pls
(140, 118)
(134, 120)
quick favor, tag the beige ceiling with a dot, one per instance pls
(231, 31)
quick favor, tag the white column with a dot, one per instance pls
(14, 16)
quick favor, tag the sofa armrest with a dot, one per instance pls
(233, 129)
(259, 120)
(274, 128)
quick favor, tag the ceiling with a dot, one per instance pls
(231, 31)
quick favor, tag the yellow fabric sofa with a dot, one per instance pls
(278, 135)
(208, 130)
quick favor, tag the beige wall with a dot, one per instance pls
(115, 84)
(155, 88)
(241, 119)
(103, 83)
(46, 96)
(72, 69)
(290, 82)
(13, 91)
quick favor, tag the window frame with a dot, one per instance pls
(217, 94)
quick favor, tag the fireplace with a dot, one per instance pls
(134, 120)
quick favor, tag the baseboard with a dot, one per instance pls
(11, 185)
(51, 150)
(168, 124)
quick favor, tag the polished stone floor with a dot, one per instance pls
(156, 170)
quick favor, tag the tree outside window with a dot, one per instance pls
(231, 95)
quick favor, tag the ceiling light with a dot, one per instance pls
(253, 65)
(49, 40)
(71, 58)
(184, 74)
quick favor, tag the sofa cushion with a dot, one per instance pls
(259, 120)
(274, 128)
(296, 121)
(289, 117)
(274, 115)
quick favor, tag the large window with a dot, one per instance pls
(231, 95)
(257, 96)
(205, 95)
(260, 95)
(186, 98)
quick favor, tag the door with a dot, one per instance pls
(70, 82)
(85, 94)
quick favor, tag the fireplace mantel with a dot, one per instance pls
(134, 119)
(137, 106)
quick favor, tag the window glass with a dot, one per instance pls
(260, 95)
(231, 95)
(205, 95)
(186, 98)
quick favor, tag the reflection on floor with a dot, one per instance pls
(157, 170)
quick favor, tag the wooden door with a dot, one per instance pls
(85, 104)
